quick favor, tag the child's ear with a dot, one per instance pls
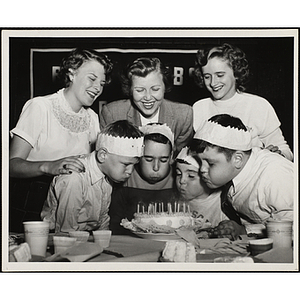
(101, 155)
(239, 159)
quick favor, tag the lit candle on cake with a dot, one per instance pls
(155, 207)
(184, 207)
(138, 208)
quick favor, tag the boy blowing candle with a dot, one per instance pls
(259, 184)
(151, 183)
(80, 201)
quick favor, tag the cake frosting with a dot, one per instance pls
(159, 222)
(173, 220)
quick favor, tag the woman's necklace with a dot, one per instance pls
(75, 122)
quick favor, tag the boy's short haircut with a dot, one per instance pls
(121, 138)
(228, 121)
(199, 145)
(158, 138)
(122, 128)
(159, 133)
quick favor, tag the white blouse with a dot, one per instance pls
(254, 111)
(54, 130)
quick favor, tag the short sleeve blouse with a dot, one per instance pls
(54, 130)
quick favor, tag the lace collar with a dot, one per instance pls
(75, 122)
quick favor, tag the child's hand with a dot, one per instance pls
(92, 226)
(228, 229)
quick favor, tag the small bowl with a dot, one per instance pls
(260, 246)
(81, 236)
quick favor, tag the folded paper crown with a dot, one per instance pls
(227, 137)
(124, 146)
(186, 157)
(163, 129)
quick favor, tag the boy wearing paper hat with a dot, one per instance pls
(204, 202)
(80, 201)
(152, 179)
(261, 182)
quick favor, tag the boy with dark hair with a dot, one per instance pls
(152, 179)
(257, 184)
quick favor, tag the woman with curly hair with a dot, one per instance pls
(53, 130)
(144, 83)
(224, 70)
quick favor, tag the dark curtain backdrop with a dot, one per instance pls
(270, 59)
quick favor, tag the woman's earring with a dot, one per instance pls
(71, 75)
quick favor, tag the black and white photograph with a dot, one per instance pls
(150, 150)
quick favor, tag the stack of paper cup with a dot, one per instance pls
(281, 233)
(36, 236)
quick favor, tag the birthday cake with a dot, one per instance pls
(159, 222)
(174, 220)
(154, 221)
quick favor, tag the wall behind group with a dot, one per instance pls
(33, 64)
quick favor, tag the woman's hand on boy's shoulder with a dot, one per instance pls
(228, 229)
(63, 166)
(274, 149)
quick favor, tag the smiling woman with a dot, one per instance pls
(145, 81)
(224, 71)
(54, 130)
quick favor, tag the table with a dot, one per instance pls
(125, 248)
(136, 249)
(133, 249)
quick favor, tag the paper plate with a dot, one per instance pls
(158, 236)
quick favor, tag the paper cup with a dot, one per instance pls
(81, 236)
(62, 243)
(36, 236)
(281, 233)
(102, 237)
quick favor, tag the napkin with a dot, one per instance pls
(277, 255)
(78, 253)
(213, 245)
(188, 235)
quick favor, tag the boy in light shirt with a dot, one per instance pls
(261, 182)
(80, 201)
